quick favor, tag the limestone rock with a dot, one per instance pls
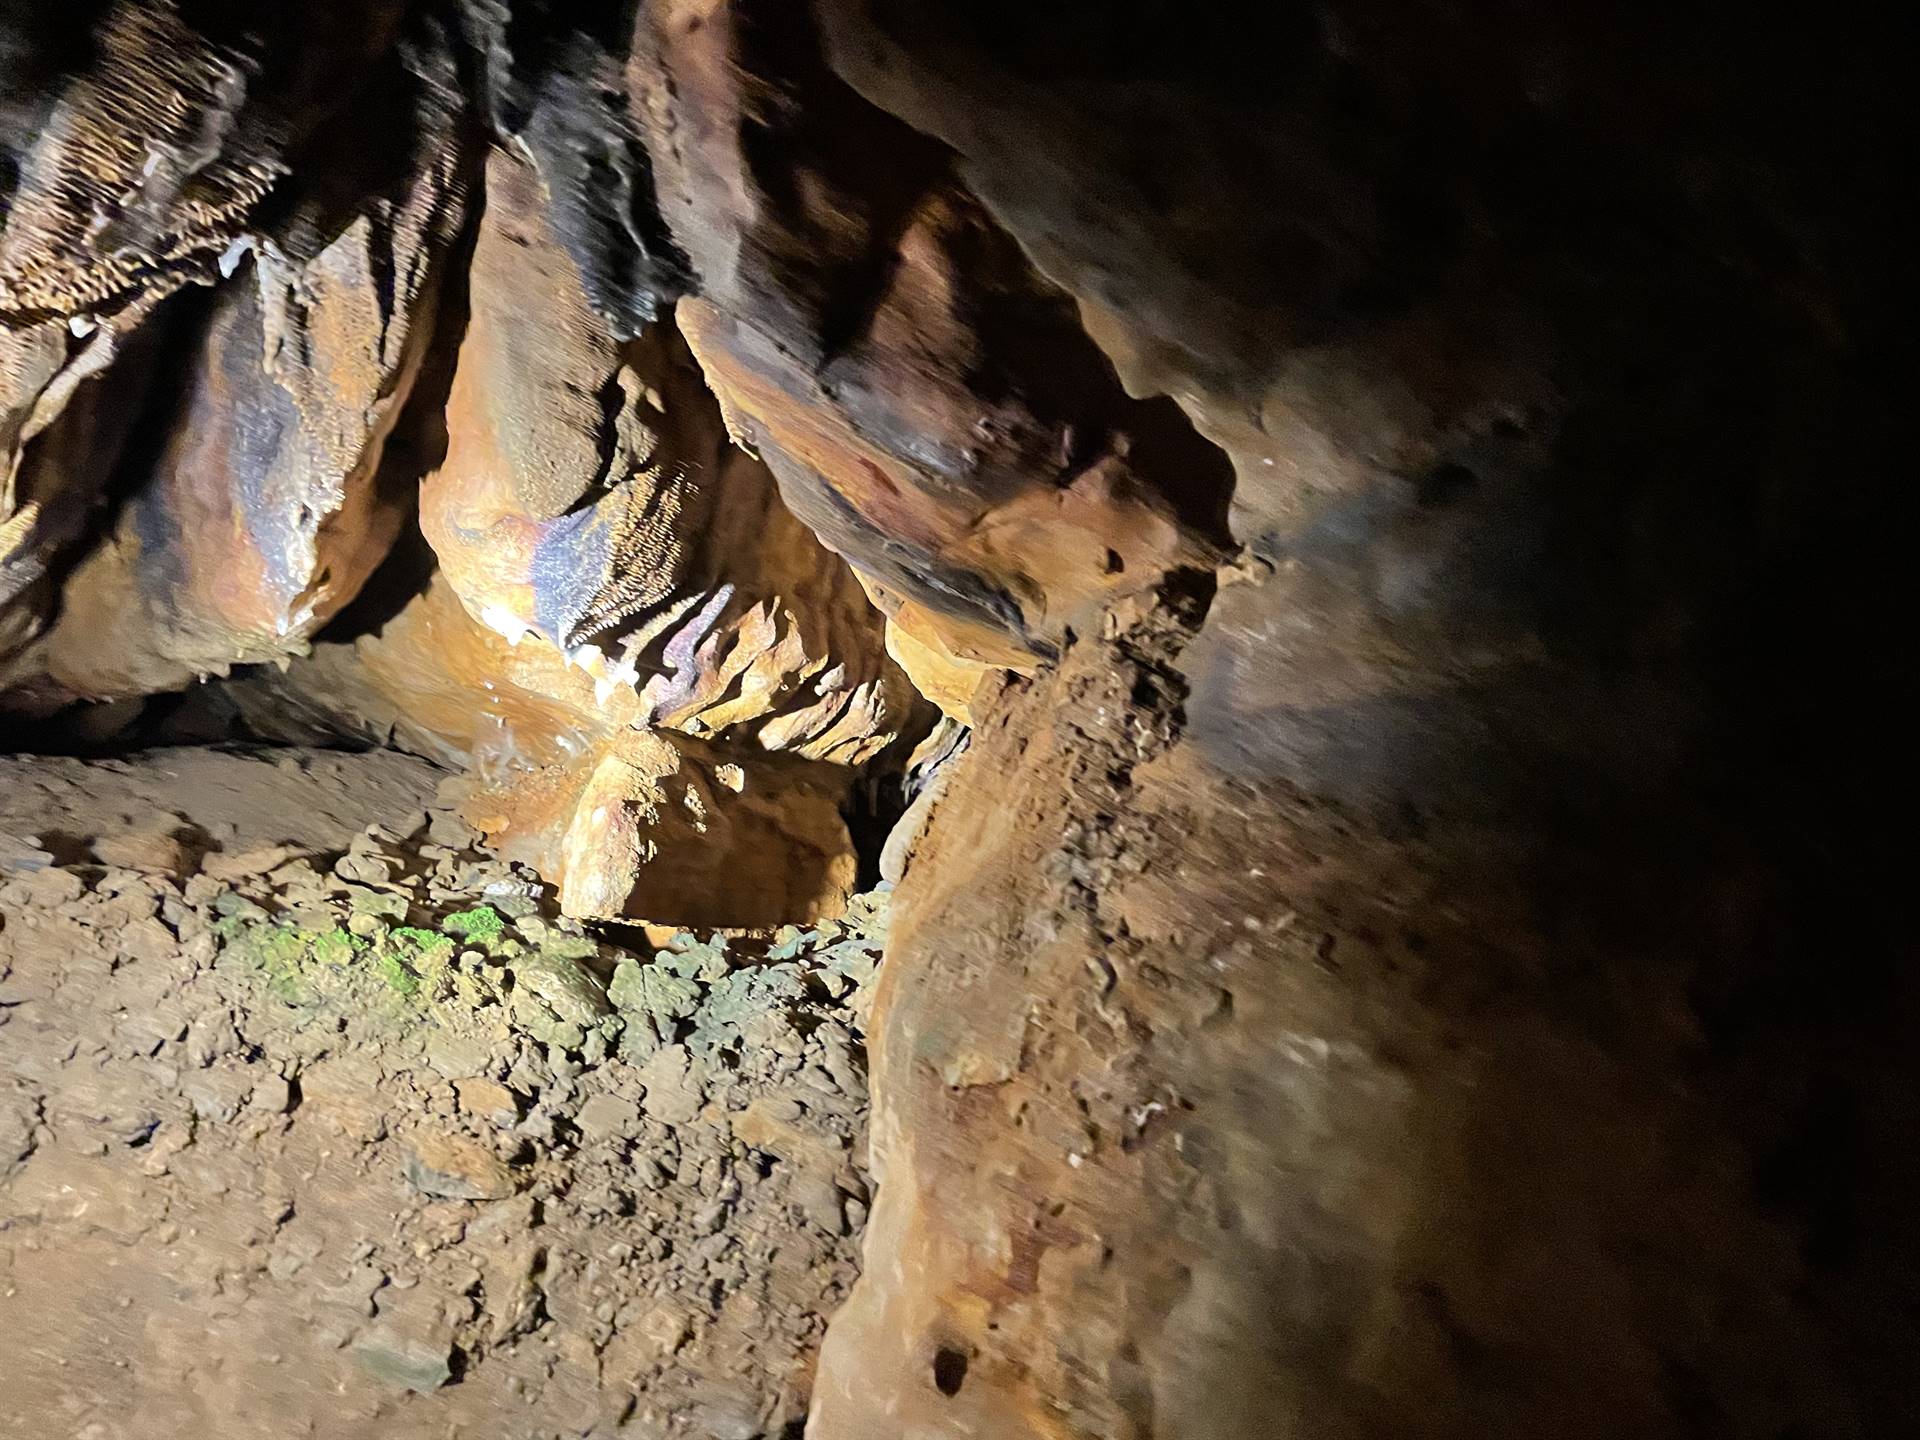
(931, 406)
(166, 849)
(64, 417)
(1325, 1049)
(1122, 1108)
(592, 506)
(487, 1098)
(659, 674)
(1398, 959)
(130, 176)
(606, 1116)
(624, 822)
(545, 93)
(264, 513)
(948, 680)
(157, 152)
(409, 1347)
(673, 1089)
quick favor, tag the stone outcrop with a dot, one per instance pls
(661, 678)
(658, 674)
(591, 503)
(1212, 1105)
(61, 430)
(132, 167)
(625, 820)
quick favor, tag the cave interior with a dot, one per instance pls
(903, 720)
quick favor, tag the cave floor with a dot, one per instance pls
(316, 1121)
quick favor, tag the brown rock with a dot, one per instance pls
(455, 1168)
(410, 1345)
(673, 1092)
(47, 886)
(247, 864)
(931, 406)
(1399, 960)
(64, 416)
(637, 546)
(156, 851)
(1315, 1079)
(605, 1116)
(488, 1099)
(160, 157)
(622, 821)
(948, 680)
(163, 151)
(262, 516)
(765, 1126)
(604, 576)
(652, 827)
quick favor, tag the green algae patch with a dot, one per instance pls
(483, 923)
(308, 969)
(423, 950)
(280, 954)
(337, 947)
(395, 973)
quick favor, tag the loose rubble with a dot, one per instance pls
(371, 1140)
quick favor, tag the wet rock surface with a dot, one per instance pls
(367, 1137)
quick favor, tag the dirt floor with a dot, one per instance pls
(315, 1122)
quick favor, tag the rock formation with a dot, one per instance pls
(146, 162)
(931, 404)
(1396, 494)
(587, 502)
(1392, 1015)
(263, 511)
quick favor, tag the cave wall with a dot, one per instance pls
(1400, 493)
(1431, 990)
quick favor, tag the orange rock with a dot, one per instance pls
(63, 418)
(626, 821)
(154, 154)
(943, 677)
(659, 677)
(653, 832)
(591, 507)
(930, 404)
(263, 514)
